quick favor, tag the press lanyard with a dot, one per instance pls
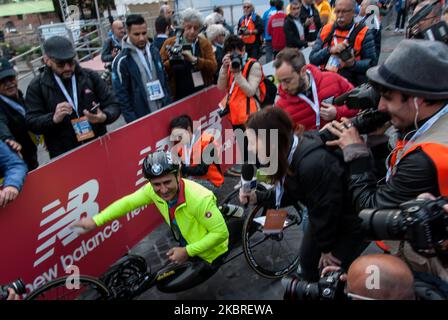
(118, 44)
(188, 148)
(74, 101)
(348, 35)
(146, 62)
(279, 189)
(247, 21)
(314, 105)
(426, 126)
(16, 106)
(193, 47)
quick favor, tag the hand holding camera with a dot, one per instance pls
(13, 290)
(337, 49)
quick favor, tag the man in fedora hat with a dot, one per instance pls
(13, 129)
(413, 86)
(68, 104)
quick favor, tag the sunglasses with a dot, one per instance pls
(62, 63)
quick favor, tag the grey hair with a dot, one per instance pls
(215, 30)
(163, 8)
(191, 15)
(213, 18)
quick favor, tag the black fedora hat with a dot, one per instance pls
(6, 69)
(417, 68)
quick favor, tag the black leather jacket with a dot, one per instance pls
(320, 182)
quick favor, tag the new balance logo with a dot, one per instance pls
(81, 203)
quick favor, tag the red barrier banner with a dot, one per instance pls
(37, 244)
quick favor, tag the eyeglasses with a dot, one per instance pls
(7, 80)
(247, 7)
(62, 63)
(337, 12)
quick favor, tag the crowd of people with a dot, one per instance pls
(335, 179)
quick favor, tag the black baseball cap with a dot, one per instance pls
(6, 69)
(59, 48)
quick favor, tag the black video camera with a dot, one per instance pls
(237, 60)
(366, 98)
(329, 287)
(18, 286)
(242, 30)
(175, 51)
(423, 223)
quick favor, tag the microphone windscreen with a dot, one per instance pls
(247, 171)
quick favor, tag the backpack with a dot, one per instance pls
(268, 89)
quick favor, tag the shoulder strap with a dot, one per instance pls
(354, 34)
(330, 35)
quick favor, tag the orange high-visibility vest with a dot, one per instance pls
(250, 25)
(214, 174)
(438, 154)
(341, 35)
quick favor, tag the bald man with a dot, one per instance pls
(380, 277)
(431, 18)
(112, 46)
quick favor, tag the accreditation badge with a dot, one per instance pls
(198, 81)
(155, 90)
(333, 64)
(83, 129)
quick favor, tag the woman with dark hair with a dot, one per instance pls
(308, 172)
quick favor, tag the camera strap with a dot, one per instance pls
(313, 104)
(335, 38)
(279, 186)
(74, 101)
(424, 128)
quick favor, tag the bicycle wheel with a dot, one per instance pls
(90, 288)
(272, 255)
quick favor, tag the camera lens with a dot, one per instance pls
(383, 224)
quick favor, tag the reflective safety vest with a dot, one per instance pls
(250, 25)
(342, 35)
(439, 156)
(214, 173)
(240, 105)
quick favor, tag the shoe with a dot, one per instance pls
(396, 30)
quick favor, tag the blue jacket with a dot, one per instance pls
(12, 167)
(268, 13)
(129, 88)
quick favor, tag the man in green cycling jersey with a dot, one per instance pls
(187, 207)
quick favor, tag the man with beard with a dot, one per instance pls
(69, 105)
(303, 89)
(138, 77)
(345, 47)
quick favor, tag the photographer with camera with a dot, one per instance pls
(414, 92)
(426, 22)
(241, 77)
(139, 79)
(188, 58)
(304, 91)
(251, 29)
(345, 47)
(112, 46)
(370, 277)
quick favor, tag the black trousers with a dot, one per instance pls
(348, 247)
